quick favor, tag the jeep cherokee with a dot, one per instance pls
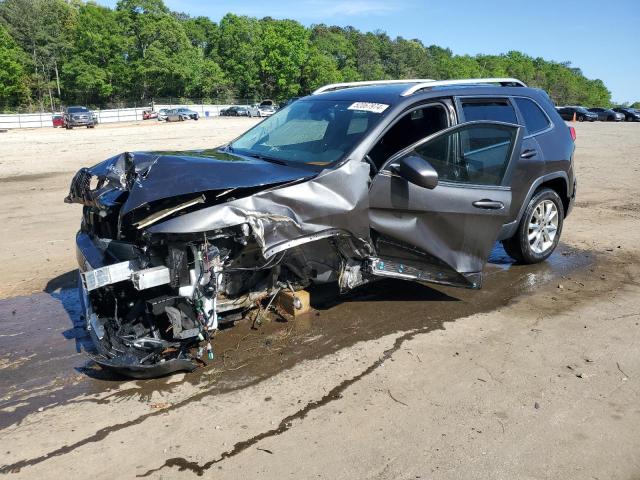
(410, 179)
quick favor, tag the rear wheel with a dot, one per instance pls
(581, 118)
(539, 230)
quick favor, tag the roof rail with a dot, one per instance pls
(339, 86)
(505, 82)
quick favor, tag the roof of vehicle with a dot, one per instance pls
(391, 94)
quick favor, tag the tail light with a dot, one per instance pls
(572, 131)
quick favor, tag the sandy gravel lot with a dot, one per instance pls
(537, 376)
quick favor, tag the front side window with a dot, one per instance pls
(535, 119)
(498, 110)
(472, 154)
(313, 132)
(412, 127)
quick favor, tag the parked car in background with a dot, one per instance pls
(354, 183)
(172, 115)
(254, 110)
(58, 120)
(149, 114)
(237, 111)
(162, 114)
(78, 117)
(188, 114)
(607, 115)
(581, 114)
(630, 114)
(179, 115)
(267, 110)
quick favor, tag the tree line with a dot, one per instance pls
(57, 52)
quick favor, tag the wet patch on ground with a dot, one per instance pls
(42, 337)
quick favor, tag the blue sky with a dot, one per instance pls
(600, 37)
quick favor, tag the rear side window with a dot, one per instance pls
(534, 118)
(493, 110)
(471, 154)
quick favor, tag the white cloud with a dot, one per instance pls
(331, 8)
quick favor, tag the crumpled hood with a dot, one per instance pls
(151, 176)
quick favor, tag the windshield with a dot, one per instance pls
(77, 110)
(313, 132)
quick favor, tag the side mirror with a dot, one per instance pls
(416, 170)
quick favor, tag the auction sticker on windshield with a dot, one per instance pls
(368, 107)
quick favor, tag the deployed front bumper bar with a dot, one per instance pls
(95, 273)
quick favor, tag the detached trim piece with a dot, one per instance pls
(333, 232)
(153, 218)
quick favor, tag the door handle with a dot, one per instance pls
(528, 153)
(488, 204)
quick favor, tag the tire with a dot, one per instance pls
(581, 118)
(539, 211)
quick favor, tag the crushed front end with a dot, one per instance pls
(172, 247)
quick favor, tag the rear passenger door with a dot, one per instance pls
(528, 160)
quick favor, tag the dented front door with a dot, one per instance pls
(448, 232)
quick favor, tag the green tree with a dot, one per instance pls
(240, 51)
(14, 82)
(96, 71)
(285, 48)
(334, 43)
(41, 28)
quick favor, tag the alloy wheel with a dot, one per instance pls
(543, 226)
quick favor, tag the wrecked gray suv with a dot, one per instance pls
(411, 179)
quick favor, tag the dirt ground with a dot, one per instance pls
(535, 376)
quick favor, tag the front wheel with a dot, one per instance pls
(539, 230)
(581, 118)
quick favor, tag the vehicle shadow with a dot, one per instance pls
(325, 297)
(63, 288)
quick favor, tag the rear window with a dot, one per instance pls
(493, 110)
(535, 119)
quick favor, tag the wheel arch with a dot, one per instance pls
(556, 181)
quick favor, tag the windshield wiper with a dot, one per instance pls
(265, 158)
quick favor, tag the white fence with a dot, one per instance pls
(40, 120)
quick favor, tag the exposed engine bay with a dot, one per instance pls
(164, 263)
